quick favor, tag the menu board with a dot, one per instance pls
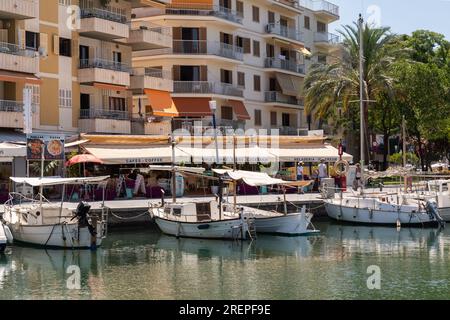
(52, 145)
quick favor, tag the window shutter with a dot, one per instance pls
(22, 38)
(56, 44)
(202, 34)
(176, 73)
(176, 33)
(75, 49)
(4, 35)
(247, 45)
(222, 37)
(204, 73)
(43, 39)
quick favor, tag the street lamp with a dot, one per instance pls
(213, 107)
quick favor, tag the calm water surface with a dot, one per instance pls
(143, 264)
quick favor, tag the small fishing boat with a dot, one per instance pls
(272, 222)
(49, 224)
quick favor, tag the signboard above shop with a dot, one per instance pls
(45, 146)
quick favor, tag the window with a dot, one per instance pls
(271, 17)
(85, 101)
(32, 40)
(35, 93)
(273, 118)
(285, 119)
(258, 117)
(117, 104)
(308, 57)
(321, 27)
(307, 23)
(65, 2)
(255, 13)
(227, 113)
(241, 79)
(256, 48)
(270, 51)
(226, 76)
(257, 83)
(240, 8)
(117, 57)
(65, 98)
(321, 58)
(65, 47)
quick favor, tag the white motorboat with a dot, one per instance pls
(47, 224)
(383, 210)
(292, 224)
(440, 191)
(199, 220)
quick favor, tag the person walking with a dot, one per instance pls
(322, 170)
(300, 171)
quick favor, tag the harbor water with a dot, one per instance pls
(144, 264)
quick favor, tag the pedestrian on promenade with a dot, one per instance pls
(322, 170)
(300, 171)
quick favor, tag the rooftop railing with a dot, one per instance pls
(206, 87)
(320, 5)
(104, 64)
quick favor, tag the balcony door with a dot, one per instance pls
(84, 56)
(225, 4)
(285, 119)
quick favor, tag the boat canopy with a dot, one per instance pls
(177, 169)
(51, 181)
(254, 179)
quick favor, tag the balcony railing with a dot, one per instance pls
(326, 37)
(104, 64)
(320, 5)
(103, 14)
(98, 113)
(208, 47)
(205, 10)
(290, 3)
(205, 87)
(275, 96)
(284, 31)
(285, 65)
(146, 26)
(14, 49)
(13, 106)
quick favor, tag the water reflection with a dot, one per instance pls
(144, 264)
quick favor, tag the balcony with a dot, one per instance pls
(18, 9)
(323, 9)
(208, 88)
(15, 58)
(278, 97)
(104, 71)
(291, 5)
(103, 24)
(100, 120)
(148, 37)
(286, 65)
(201, 47)
(11, 114)
(148, 78)
(326, 40)
(284, 32)
(187, 10)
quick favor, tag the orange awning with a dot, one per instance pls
(109, 86)
(10, 76)
(189, 4)
(192, 107)
(239, 109)
(161, 103)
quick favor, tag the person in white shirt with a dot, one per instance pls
(300, 171)
(322, 169)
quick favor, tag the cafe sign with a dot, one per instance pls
(45, 146)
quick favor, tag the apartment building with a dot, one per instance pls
(75, 55)
(250, 56)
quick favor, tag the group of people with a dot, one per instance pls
(320, 173)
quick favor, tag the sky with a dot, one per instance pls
(403, 16)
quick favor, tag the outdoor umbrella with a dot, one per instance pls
(83, 158)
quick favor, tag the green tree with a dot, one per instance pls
(337, 85)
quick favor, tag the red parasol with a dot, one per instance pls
(82, 158)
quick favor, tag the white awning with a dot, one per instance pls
(137, 154)
(52, 181)
(309, 154)
(178, 169)
(226, 155)
(9, 150)
(75, 143)
(254, 179)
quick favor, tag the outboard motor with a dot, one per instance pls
(81, 213)
(433, 211)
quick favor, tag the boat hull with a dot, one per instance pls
(293, 224)
(445, 213)
(377, 217)
(225, 229)
(66, 236)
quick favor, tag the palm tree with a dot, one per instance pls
(337, 85)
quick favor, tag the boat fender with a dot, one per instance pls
(399, 224)
(371, 214)
(163, 193)
(8, 234)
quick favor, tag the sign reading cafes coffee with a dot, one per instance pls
(51, 144)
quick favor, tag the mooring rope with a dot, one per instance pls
(127, 218)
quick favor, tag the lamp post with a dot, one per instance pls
(213, 107)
